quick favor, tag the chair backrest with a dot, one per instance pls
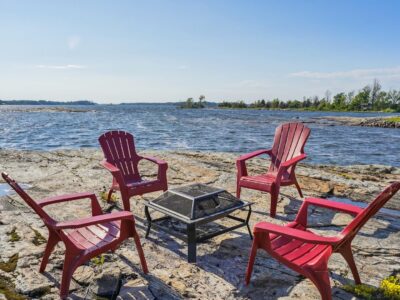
(17, 188)
(289, 142)
(355, 225)
(119, 149)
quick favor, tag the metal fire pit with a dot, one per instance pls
(194, 205)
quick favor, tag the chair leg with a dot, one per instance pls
(110, 192)
(70, 264)
(125, 201)
(274, 203)
(321, 281)
(298, 187)
(252, 258)
(51, 243)
(140, 252)
(348, 256)
(238, 190)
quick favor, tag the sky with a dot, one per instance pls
(170, 50)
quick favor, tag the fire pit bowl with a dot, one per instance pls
(194, 205)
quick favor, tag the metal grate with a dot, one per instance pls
(197, 201)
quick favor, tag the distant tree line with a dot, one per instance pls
(45, 102)
(369, 98)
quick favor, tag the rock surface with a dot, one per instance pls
(219, 272)
(384, 122)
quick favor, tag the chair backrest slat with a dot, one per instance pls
(359, 221)
(289, 142)
(119, 149)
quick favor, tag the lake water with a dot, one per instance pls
(166, 127)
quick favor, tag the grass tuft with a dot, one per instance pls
(98, 260)
(14, 237)
(7, 288)
(104, 195)
(11, 265)
(389, 289)
(362, 290)
(38, 239)
(393, 120)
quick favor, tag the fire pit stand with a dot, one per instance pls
(195, 205)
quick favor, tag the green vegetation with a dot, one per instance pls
(362, 290)
(97, 297)
(10, 265)
(369, 98)
(38, 239)
(389, 289)
(189, 103)
(98, 260)
(345, 175)
(14, 237)
(104, 195)
(7, 288)
(393, 120)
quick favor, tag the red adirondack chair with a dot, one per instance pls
(83, 238)
(286, 152)
(308, 253)
(122, 161)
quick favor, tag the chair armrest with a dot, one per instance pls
(121, 215)
(155, 160)
(343, 207)
(96, 209)
(294, 233)
(293, 161)
(284, 166)
(247, 156)
(162, 167)
(110, 167)
(241, 161)
(116, 172)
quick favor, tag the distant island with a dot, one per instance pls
(369, 98)
(189, 103)
(45, 102)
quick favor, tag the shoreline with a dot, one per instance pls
(182, 151)
(221, 264)
(323, 179)
(383, 122)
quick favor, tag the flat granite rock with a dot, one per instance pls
(221, 261)
(136, 289)
(31, 282)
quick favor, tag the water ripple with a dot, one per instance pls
(165, 127)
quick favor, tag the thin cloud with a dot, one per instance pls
(183, 67)
(61, 67)
(73, 42)
(253, 84)
(355, 74)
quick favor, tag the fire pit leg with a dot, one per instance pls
(191, 237)
(146, 212)
(247, 222)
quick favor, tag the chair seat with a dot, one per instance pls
(94, 237)
(263, 181)
(297, 252)
(141, 183)
(136, 184)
